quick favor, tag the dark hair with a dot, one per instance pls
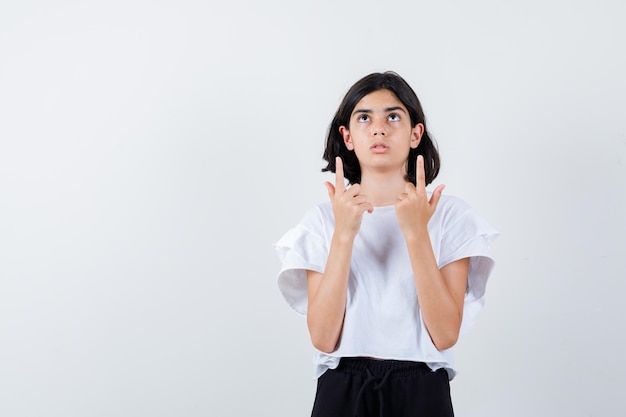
(391, 81)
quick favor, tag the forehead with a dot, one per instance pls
(378, 100)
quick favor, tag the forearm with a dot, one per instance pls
(327, 305)
(441, 311)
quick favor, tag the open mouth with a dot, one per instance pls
(379, 147)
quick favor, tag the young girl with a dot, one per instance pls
(387, 274)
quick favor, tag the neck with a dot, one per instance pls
(382, 189)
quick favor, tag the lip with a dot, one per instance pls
(379, 147)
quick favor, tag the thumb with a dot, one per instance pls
(434, 199)
(331, 190)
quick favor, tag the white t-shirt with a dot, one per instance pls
(383, 318)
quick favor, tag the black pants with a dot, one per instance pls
(369, 387)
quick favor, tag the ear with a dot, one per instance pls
(347, 139)
(416, 135)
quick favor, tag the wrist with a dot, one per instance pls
(416, 234)
(343, 238)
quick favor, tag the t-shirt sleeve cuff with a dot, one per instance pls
(481, 264)
(299, 250)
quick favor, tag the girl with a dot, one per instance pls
(387, 274)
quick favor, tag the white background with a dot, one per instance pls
(152, 151)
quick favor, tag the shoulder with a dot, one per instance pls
(321, 210)
(310, 232)
(450, 201)
(318, 217)
(457, 218)
(451, 207)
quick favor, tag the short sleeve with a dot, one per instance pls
(467, 235)
(300, 249)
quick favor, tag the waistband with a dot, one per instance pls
(377, 367)
(376, 374)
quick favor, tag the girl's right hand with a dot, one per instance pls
(348, 204)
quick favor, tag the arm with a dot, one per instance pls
(327, 292)
(327, 296)
(440, 292)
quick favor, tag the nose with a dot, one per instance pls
(378, 128)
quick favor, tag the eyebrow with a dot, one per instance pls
(388, 109)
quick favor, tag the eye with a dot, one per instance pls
(393, 117)
(363, 118)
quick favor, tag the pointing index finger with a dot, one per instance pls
(420, 176)
(340, 185)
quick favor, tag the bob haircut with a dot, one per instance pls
(380, 81)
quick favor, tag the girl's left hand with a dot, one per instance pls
(413, 209)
